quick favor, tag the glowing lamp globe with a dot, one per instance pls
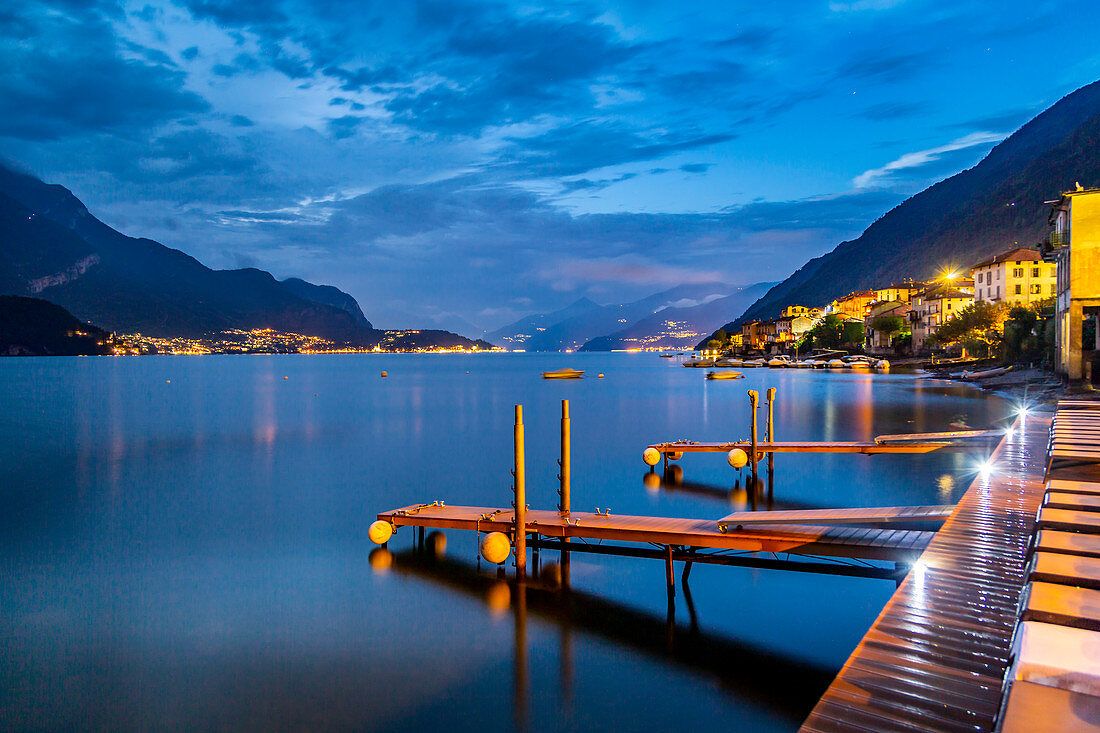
(737, 458)
(380, 532)
(495, 547)
(651, 456)
(675, 455)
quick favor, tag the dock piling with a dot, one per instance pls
(565, 464)
(770, 435)
(520, 490)
(670, 576)
(754, 398)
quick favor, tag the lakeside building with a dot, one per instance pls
(1074, 248)
(1018, 277)
(879, 341)
(931, 307)
(902, 291)
(853, 305)
(800, 310)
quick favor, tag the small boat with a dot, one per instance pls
(565, 373)
(752, 363)
(986, 373)
(836, 364)
(698, 363)
(883, 365)
(726, 363)
(779, 362)
(725, 375)
(859, 362)
(666, 356)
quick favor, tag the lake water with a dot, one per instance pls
(184, 543)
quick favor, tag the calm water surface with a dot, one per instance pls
(183, 542)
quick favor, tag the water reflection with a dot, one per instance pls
(790, 685)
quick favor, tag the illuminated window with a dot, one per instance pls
(1035, 272)
(1036, 289)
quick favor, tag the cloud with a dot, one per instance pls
(921, 158)
(67, 73)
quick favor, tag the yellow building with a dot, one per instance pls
(1075, 247)
(902, 291)
(853, 305)
(1016, 277)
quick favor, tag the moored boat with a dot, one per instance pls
(565, 373)
(724, 375)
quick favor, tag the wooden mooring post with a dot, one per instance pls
(754, 398)
(564, 475)
(519, 486)
(770, 436)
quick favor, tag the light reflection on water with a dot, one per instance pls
(193, 553)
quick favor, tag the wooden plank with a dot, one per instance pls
(870, 515)
(1050, 567)
(1033, 708)
(1062, 604)
(1073, 487)
(1073, 502)
(1067, 520)
(1068, 543)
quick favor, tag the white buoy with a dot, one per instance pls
(675, 455)
(495, 547)
(651, 456)
(737, 458)
(380, 532)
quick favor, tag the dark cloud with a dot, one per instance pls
(342, 127)
(240, 121)
(696, 167)
(578, 148)
(62, 74)
(189, 53)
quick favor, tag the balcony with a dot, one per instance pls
(1057, 242)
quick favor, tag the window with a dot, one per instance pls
(998, 274)
(1019, 289)
(1052, 290)
(1035, 272)
(998, 292)
(1036, 289)
(1017, 272)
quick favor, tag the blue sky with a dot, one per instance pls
(477, 161)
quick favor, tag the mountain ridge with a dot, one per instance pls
(976, 213)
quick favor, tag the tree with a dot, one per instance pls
(977, 327)
(852, 333)
(887, 324)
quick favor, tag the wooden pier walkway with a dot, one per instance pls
(936, 657)
(871, 515)
(851, 542)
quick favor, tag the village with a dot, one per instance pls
(1022, 305)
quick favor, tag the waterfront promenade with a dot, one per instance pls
(938, 655)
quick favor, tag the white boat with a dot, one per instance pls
(779, 362)
(752, 363)
(565, 373)
(698, 363)
(727, 363)
(883, 365)
(836, 364)
(985, 373)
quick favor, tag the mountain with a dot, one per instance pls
(34, 327)
(574, 326)
(51, 246)
(977, 213)
(680, 327)
(326, 295)
(516, 335)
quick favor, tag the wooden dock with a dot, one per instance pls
(867, 516)
(849, 542)
(936, 657)
(804, 446)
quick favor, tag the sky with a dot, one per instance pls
(462, 164)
